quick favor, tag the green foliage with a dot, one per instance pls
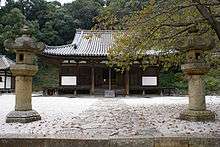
(178, 81)
(160, 25)
(212, 80)
(111, 16)
(52, 23)
(175, 80)
(10, 24)
(48, 76)
(84, 11)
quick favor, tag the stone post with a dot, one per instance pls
(24, 69)
(194, 69)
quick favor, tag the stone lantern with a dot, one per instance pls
(24, 69)
(194, 69)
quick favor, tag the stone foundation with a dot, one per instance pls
(192, 115)
(22, 116)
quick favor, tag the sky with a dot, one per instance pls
(2, 2)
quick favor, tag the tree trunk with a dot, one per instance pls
(206, 13)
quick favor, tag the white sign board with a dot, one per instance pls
(68, 80)
(8, 82)
(149, 81)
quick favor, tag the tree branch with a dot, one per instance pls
(173, 10)
(176, 34)
(177, 25)
(205, 12)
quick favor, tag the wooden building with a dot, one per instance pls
(7, 82)
(83, 67)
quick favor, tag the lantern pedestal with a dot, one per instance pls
(22, 116)
(25, 48)
(23, 107)
(194, 69)
(193, 115)
(197, 105)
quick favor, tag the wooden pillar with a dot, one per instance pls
(93, 80)
(127, 82)
(109, 79)
(60, 78)
(77, 77)
(78, 72)
(5, 82)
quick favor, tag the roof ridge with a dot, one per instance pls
(79, 39)
(59, 46)
(85, 30)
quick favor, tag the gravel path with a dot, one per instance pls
(102, 118)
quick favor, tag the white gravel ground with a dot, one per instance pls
(89, 117)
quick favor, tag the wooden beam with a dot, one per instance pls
(54, 58)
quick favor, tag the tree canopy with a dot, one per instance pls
(51, 22)
(162, 25)
(112, 15)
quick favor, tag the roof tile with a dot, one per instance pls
(5, 62)
(87, 42)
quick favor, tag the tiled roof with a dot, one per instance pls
(88, 43)
(85, 43)
(5, 62)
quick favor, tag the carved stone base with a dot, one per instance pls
(22, 116)
(191, 115)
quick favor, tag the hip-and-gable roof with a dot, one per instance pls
(89, 43)
(85, 43)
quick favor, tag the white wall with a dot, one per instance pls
(2, 84)
(8, 82)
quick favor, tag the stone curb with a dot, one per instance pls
(112, 142)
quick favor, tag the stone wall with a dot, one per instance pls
(126, 142)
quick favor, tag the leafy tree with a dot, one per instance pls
(212, 78)
(164, 25)
(111, 16)
(48, 76)
(55, 24)
(84, 11)
(10, 25)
